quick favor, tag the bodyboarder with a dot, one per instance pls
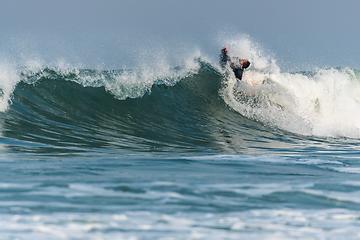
(237, 66)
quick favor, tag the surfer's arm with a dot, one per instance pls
(224, 59)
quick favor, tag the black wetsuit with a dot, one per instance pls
(237, 69)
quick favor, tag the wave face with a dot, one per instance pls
(91, 109)
(183, 109)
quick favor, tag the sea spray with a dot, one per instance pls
(9, 77)
(322, 102)
(123, 83)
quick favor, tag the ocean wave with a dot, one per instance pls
(185, 110)
(192, 107)
(90, 108)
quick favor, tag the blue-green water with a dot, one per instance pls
(126, 154)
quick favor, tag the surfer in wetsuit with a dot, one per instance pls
(238, 66)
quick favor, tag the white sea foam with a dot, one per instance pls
(355, 170)
(268, 159)
(253, 224)
(324, 102)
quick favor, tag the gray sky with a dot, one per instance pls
(114, 34)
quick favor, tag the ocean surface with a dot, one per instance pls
(179, 152)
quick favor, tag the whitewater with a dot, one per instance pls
(171, 151)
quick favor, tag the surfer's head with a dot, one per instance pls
(224, 50)
(244, 63)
